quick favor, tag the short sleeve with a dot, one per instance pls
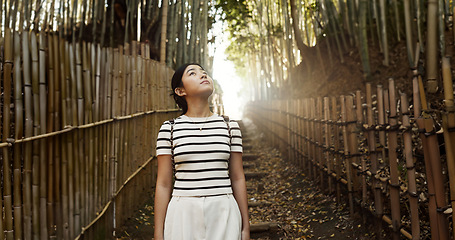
(236, 143)
(163, 142)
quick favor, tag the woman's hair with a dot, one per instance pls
(177, 82)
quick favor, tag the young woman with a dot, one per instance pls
(203, 151)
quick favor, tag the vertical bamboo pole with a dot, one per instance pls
(72, 94)
(35, 168)
(412, 188)
(432, 209)
(393, 147)
(381, 120)
(448, 121)
(376, 185)
(432, 46)
(353, 142)
(346, 154)
(18, 132)
(80, 138)
(301, 123)
(7, 81)
(313, 138)
(360, 122)
(328, 137)
(336, 133)
(319, 140)
(46, 211)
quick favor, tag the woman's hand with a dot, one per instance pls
(245, 234)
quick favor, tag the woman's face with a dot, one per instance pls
(196, 82)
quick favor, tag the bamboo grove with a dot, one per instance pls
(270, 39)
(177, 30)
(83, 98)
(78, 126)
(377, 149)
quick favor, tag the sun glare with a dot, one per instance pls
(230, 82)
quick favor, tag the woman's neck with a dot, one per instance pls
(198, 108)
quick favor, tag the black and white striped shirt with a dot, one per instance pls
(200, 156)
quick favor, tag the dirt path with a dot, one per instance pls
(284, 197)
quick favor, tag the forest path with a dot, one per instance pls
(283, 204)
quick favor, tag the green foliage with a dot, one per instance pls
(236, 13)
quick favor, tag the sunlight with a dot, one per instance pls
(224, 73)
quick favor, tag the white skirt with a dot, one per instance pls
(203, 218)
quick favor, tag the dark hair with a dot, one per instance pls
(177, 82)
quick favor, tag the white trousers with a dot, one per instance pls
(203, 218)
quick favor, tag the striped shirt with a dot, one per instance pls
(200, 156)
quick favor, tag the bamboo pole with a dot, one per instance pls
(412, 188)
(16, 230)
(37, 147)
(6, 224)
(336, 133)
(381, 121)
(32, 123)
(434, 225)
(432, 46)
(448, 121)
(376, 185)
(346, 153)
(328, 136)
(360, 122)
(60, 154)
(393, 147)
(73, 117)
(352, 142)
(318, 140)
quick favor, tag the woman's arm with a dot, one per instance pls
(239, 188)
(162, 193)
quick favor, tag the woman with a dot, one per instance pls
(209, 199)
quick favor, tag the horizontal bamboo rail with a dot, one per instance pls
(370, 145)
(78, 135)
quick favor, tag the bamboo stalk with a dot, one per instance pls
(328, 132)
(19, 129)
(37, 147)
(352, 141)
(72, 94)
(381, 121)
(434, 225)
(360, 122)
(336, 133)
(412, 188)
(393, 147)
(448, 121)
(46, 212)
(32, 127)
(344, 120)
(373, 155)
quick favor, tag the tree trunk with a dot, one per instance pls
(298, 36)
(204, 47)
(163, 32)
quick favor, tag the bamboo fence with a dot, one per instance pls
(78, 131)
(371, 149)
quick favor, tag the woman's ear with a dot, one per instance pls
(180, 91)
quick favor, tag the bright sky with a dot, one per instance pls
(224, 73)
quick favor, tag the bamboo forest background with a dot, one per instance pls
(85, 86)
